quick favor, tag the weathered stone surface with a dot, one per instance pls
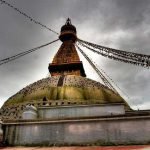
(80, 111)
(74, 87)
(74, 90)
(123, 130)
(30, 112)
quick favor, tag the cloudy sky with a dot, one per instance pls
(122, 24)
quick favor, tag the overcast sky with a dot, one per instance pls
(122, 24)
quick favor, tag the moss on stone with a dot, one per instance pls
(76, 89)
(68, 93)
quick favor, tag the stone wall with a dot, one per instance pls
(119, 130)
(80, 111)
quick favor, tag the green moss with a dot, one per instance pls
(17, 99)
(53, 93)
(68, 93)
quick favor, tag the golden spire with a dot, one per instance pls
(67, 61)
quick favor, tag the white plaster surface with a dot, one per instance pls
(80, 111)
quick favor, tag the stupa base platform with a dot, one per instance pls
(121, 129)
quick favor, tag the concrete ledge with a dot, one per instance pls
(79, 105)
(48, 121)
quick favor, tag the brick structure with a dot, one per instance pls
(66, 60)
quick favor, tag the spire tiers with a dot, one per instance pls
(68, 32)
(67, 61)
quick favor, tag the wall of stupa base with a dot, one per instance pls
(119, 130)
(80, 111)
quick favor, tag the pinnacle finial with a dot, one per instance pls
(68, 22)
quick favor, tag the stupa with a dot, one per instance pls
(67, 85)
(68, 108)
